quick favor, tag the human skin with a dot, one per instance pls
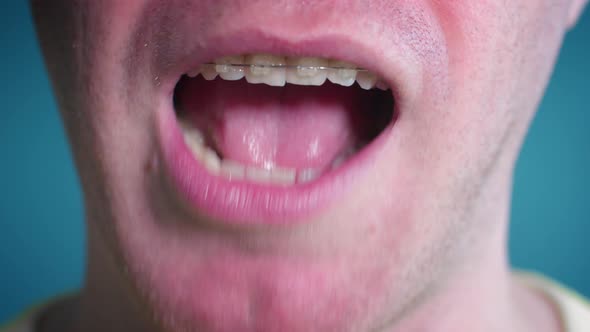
(416, 243)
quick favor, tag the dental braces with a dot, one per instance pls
(285, 66)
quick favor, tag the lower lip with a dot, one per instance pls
(237, 203)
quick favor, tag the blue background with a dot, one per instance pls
(41, 215)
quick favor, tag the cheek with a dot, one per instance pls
(500, 57)
(451, 143)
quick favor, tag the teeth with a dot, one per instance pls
(305, 71)
(195, 73)
(227, 71)
(343, 157)
(366, 80)
(283, 175)
(277, 71)
(274, 71)
(307, 175)
(260, 70)
(208, 71)
(342, 73)
(258, 174)
(193, 138)
(234, 171)
(211, 160)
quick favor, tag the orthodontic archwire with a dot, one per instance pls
(281, 66)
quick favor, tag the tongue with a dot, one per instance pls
(293, 126)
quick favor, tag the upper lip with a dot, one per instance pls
(397, 67)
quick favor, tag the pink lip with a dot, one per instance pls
(247, 203)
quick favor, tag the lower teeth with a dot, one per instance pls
(233, 170)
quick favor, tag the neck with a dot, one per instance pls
(482, 296)
(475, 297)
(108, 301)
(480, 293)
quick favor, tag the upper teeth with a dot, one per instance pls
(278, 70)
(261, 71)
(306, 71)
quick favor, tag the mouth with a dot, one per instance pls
(273, 138)
(280, 121)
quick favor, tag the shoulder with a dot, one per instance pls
(573, 308)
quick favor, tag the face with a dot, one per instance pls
(238, 205)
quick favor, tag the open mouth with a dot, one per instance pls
(279, 120)
(267, 138)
